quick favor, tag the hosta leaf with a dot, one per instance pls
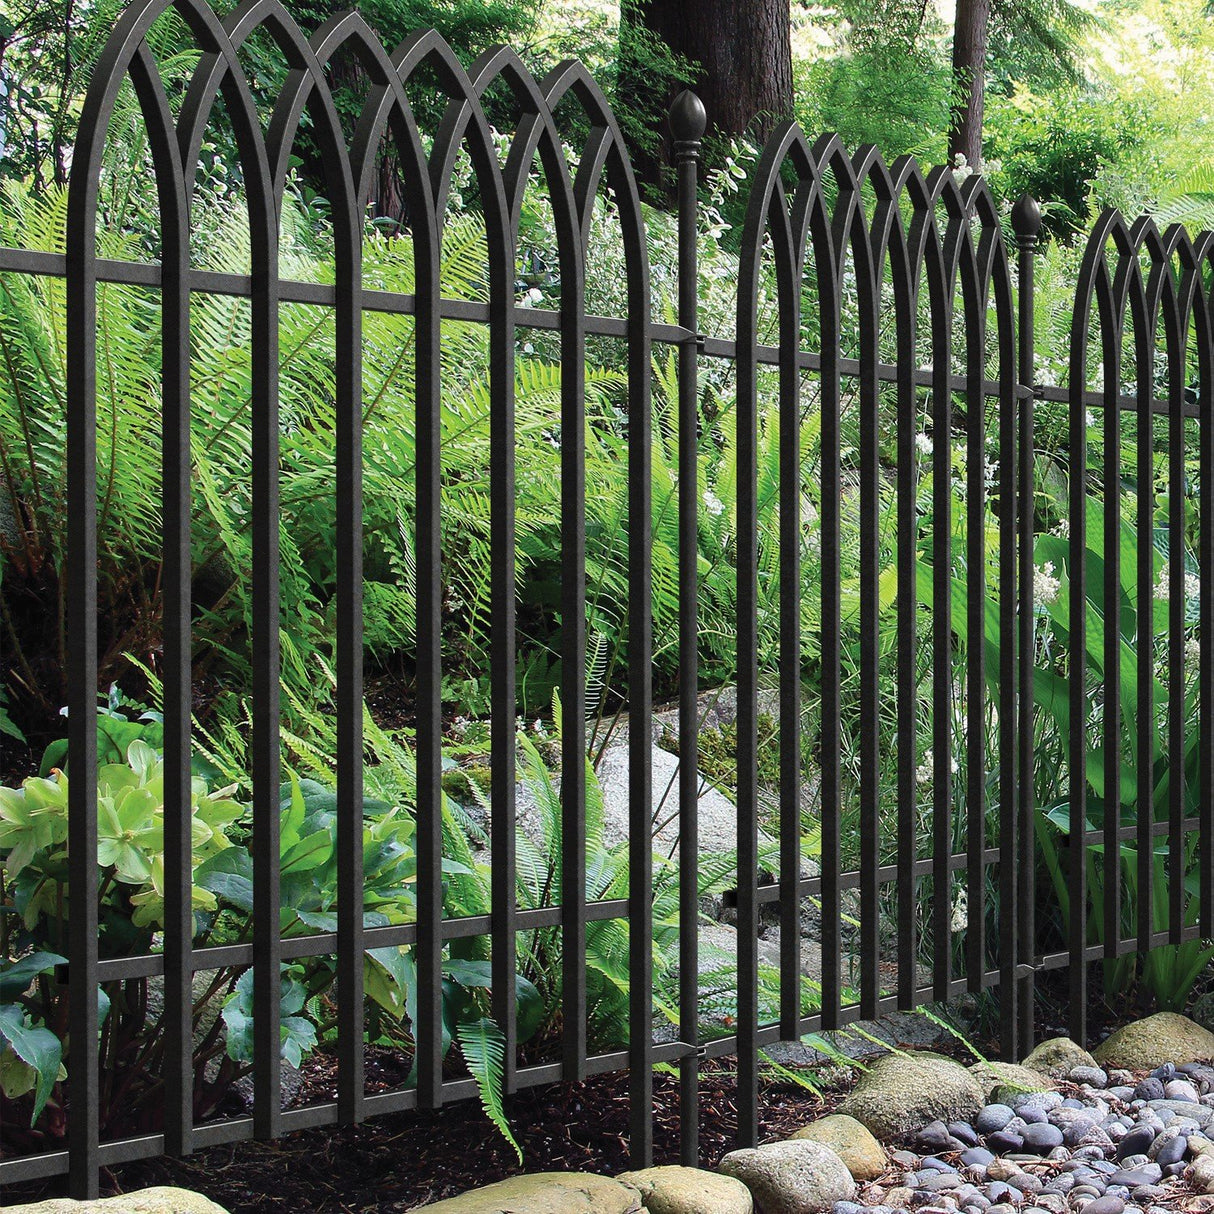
(37, 1047)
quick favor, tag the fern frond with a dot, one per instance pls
(484, 1050)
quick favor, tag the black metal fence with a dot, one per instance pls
(943, 311)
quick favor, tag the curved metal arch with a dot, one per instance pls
(111, 69)
(605, 152)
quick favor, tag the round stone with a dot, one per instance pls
(977, 1157)
(933, 1137)
(677, 1190)
(1135, 1141)
(1002, 1142)
(899, 1094)
(993, 1118)
(1149, 1089)
(1181, 1089)
(1093, 1076)
(962, 1131)
(1042, 1137)
(1106, 1205)
(797, 1175)
(863, 1156)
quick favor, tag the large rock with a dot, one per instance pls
(677, 1190)
(794, 1177)
(1164, 1037)
(900, 1093)
(862, 1155)
(718, 816)
(546, 1193)
(160, 1200)
(1003, 1079)
(1057, 1057)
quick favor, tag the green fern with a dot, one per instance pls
(484, 1050)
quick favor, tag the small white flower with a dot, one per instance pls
(924, 442)
(713, 504)
(1192, 651)
(1163, 587)
(1064, 528)
(1192, 586)
(532, 298)
(1090, 418)
(1045, 584)
(925, 770)
(960, 916)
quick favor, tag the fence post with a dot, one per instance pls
(687, 123)
(1026, 223)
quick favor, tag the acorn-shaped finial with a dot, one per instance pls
(1026, 218)
(688, 120)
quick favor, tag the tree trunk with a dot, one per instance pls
(970, 37)
(739, 53)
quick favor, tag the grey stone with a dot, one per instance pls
(977, 1157)
(795, 1177)
(1135, 1141)
(1201, 1174)
(678, 1190)
(1057, 1057)
(1181, 1089)
(1198, 1113)
(545, 1193)
(993, 1117)
(1163, 1037)
(1003, 1141)
(1042, 1137)
(1106, 1205)
(1093, 1076)
(901, 1093)
(862, 1155)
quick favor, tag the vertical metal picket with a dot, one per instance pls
(1026, 223)
(687, 124)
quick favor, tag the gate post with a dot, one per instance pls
(1026, 223)
(687, 123)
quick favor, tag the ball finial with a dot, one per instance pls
(688, 120)
(1026, 218)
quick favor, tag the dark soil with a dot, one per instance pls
(402, 1160)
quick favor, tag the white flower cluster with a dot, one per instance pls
(924, 442)
(960, 918)
(1163, 587)
(1045, 584)
(962, 169)
(713, 504)
(927, 769)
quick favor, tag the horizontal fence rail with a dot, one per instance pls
(933, 286)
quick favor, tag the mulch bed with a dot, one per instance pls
(402, 1160)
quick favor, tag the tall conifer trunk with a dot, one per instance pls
(739, 52)
(970, 37)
